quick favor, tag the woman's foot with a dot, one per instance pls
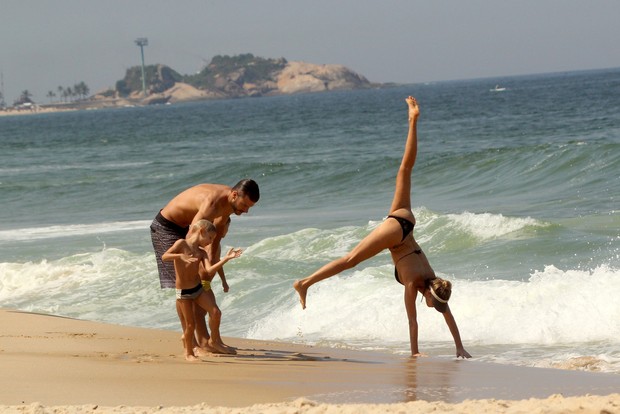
(302, 291)
(414, 109)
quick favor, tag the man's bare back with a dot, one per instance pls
(203, 201)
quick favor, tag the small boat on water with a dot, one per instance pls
(497, 89)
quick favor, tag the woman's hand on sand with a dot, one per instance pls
(462, 353)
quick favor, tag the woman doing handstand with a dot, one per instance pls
(395, 233)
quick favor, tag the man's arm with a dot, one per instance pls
(223, 278)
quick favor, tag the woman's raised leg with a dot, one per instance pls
(386, 235)
(402, 191)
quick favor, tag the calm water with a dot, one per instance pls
(515, 194)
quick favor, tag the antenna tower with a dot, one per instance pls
(142, 41)
(2, 103)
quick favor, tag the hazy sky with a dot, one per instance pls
(49, 43)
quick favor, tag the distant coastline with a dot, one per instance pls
(225, 77)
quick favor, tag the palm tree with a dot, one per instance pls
(51, 95)
(81, 89)
(25, 96)
(85, 89)
(61, 91)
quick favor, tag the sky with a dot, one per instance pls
(45, 44)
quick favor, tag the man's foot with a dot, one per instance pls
(302, 291)
(204, 350)
(220, 348)
(414, 110)
(231, 350)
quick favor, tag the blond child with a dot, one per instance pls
(189, 255)
(207, 343)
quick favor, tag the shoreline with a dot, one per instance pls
(71, 107)
(51, 361)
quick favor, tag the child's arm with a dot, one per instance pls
(211, 269)
(176, 252)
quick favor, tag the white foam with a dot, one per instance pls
(552, 307)
(479, 226)
(486, 226)
(70, 230)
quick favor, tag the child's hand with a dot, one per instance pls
(233, 253)
(188, 259)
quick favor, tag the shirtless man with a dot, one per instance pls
(213, 202)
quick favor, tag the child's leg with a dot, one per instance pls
(206, 300)
(202, 333)
(186, 315)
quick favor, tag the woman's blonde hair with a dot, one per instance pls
(443, 288)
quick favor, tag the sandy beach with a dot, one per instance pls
(62, 365)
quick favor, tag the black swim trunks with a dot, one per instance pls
(164, 234)
(190, 294)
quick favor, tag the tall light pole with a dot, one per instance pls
(2, 104)
(142, 41)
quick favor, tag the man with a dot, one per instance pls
(213, 202)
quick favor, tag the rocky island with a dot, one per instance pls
(224, 77)
(229, 77)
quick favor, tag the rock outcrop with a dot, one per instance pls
(234, 77)
(299, 77)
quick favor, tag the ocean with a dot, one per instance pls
(515, 194)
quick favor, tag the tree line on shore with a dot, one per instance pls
(158, 78)
(77, 92)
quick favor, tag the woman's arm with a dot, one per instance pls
(410, 294)
(454, 330)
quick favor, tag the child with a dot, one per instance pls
(211, 343)
(188, 254)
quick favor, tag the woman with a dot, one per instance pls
(412, 268)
